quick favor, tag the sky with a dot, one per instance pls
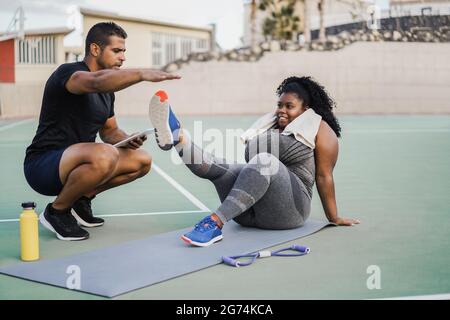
(226, 14)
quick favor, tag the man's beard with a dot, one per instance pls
(102, 64)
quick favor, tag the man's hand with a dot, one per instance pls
(345, 222)
(136, 143)
(157, 75)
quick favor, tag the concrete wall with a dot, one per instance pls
(20, 100)
(363, 78)
(26, 74)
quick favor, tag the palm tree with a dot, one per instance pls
(282, 23)
(321, 6)
(253, 10)
(356, 8)
(306, 29)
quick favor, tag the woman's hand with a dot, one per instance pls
(345, 222)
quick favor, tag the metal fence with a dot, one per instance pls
(430, 23)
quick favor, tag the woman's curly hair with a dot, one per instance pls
(313, 96)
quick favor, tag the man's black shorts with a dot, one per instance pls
(42, 172)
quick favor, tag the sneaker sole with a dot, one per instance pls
(48, 226)
(159, 116)
(84, 223)
(201, 244)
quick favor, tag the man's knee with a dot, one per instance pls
(140, 162)
(146, 163)
(104, 158)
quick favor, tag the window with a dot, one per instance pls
(201, 45)
(169, 47)
(186, 46)
(36, 50)
(426, 11)
(157, 49)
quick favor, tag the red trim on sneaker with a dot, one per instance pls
(162, 95)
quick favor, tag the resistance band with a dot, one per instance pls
(233, 260)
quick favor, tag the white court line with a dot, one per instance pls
(130, 214)
(9, 220)
(444, 296)
(177, 186)
(15, 124)
(375, 131)
(148, 213)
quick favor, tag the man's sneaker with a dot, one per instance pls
(63, 224)
(167, 126)
(82, 211)
(205, 233)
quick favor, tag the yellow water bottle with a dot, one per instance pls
(29, 233)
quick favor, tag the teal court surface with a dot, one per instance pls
(393, 174)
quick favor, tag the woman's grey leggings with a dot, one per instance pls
(262, 193)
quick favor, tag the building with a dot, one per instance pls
(419, 7)
(152, 43)
(73, 53)
(27, 61)
(32, 57)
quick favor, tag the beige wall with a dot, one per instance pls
(33, 73)
(19, 100)
(364, 78)
(138, 43)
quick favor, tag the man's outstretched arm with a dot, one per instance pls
(82, 82)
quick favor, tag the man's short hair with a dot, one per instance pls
(100, 33)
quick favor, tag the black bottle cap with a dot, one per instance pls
(29, 205)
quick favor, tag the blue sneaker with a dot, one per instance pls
(205, 233)
(167, 126)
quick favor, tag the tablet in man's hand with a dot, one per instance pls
(144, 133)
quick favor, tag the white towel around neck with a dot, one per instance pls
(304, 127)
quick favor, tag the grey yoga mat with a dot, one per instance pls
(140, 263)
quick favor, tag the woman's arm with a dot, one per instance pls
(326, 154)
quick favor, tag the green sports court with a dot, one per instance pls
(393, 174)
